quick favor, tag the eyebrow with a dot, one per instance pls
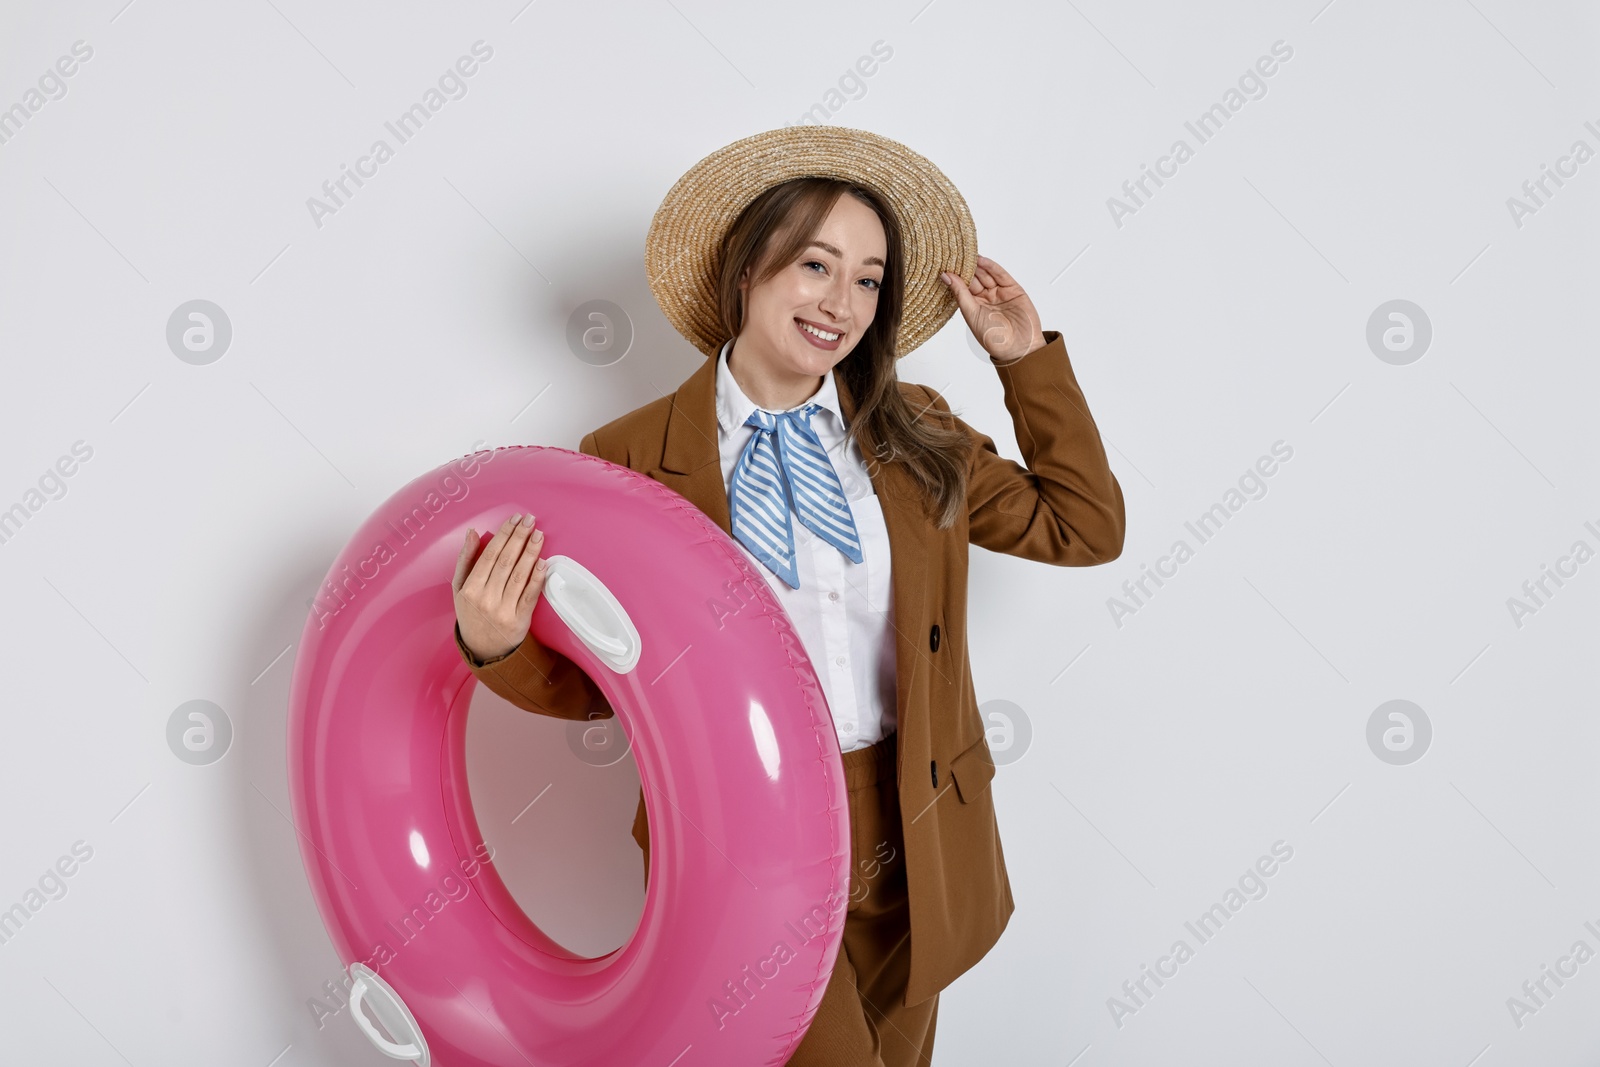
(868, 262)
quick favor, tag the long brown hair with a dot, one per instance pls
(766, 237)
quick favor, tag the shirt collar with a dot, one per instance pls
(733, 407)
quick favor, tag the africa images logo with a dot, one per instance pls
(451, 86)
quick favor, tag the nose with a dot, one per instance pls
(834, 299)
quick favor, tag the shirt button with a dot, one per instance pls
(839, 660)
(833, 595)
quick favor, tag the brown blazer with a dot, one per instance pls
(1065, 508)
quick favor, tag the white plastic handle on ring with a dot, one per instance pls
(391, 1012)
(592, 612)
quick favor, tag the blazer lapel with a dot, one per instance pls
(908, 573)
(691, 461)
(691, 464)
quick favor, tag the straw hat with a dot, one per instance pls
(682, 247)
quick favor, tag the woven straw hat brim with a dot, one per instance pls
(683, 244)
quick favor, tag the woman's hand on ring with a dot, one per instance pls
(495, 595)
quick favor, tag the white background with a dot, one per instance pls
(1168, 752)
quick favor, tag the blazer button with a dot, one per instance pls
(933, 637)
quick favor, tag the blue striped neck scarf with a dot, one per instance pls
(784, 464)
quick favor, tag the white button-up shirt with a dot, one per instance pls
(843, 611)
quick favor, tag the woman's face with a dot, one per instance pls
(831, 287)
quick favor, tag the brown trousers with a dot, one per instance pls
(861, 1021)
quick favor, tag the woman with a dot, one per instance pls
(805, 261)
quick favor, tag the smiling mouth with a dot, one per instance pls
(828, 339)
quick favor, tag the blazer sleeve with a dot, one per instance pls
(1065, 507)
(540, 679)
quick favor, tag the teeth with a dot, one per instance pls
(825, 335)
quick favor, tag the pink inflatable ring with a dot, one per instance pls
(750, 848)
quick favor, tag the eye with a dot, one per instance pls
(873, 283)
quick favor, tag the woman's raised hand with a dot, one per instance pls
(997, 311)
(495, 596)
